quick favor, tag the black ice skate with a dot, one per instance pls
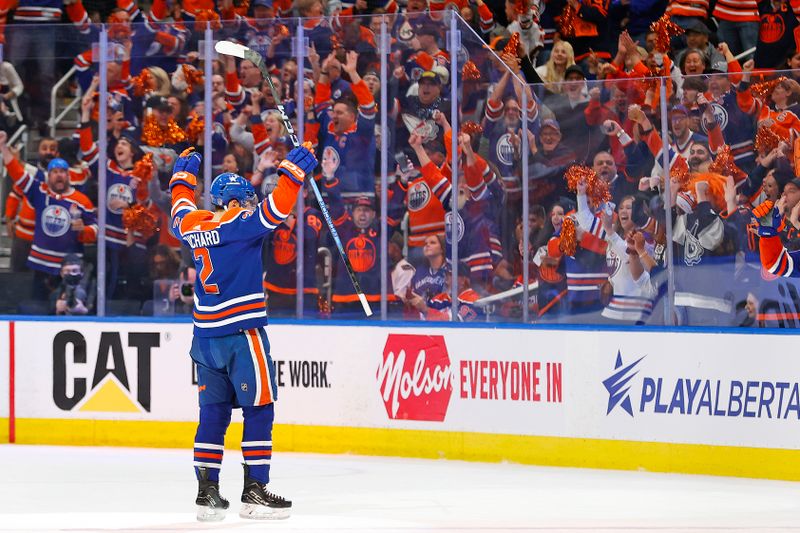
(210, 505)
(258, 503)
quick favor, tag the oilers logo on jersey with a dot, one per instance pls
(505, 150)
(419, 195)
(55, 220)
(448, 226)
(361, 252)
(284, 249)
(720, 117)
(121, 192)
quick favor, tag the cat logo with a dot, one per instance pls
(110, 368)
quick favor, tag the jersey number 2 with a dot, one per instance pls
(202, 255)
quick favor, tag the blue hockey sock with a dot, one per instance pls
(257, 440)
(210, 438)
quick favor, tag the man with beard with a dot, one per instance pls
(502, 125)
(19, 212)
(684, 141)
(65, 218)
(618, 184)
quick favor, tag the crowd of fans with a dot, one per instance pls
(575, 82)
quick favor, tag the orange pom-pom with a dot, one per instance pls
(195, 128)
(665, 30)
(725, 165)
(192, 76)
(566, 21)
(766, 140)
(470, 71)
(763, 90)
(143, 169)
(153, 134)
(680, 172)
(283, 31)
(511, 51)
(143, 83)
(471, 128)
(139, 219)
(596, 188)
(568, 241)
(206, 15)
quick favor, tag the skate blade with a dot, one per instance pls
(251, 511)
(210, 514)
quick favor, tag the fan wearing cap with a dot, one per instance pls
(417, 111)
(347, 131)
(65, 217)
(551, 159)
(75, 294)
(361, 240)
(684, 142)
(280, 264)
(20, 215)
(569, 108)
(697, 39)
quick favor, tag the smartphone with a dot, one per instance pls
(403, 161)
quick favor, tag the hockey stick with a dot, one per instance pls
(229, 48)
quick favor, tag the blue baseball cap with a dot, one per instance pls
(57, 163)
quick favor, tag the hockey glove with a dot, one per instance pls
(189, 161)
(298, 163)
(772, 226)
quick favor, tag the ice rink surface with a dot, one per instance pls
(48, 488)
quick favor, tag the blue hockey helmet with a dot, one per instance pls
(57, 163)
(230, 186)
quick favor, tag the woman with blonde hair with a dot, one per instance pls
(552, 73)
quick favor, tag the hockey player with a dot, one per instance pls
(230, 345)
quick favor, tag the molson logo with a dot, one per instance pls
(414, 377)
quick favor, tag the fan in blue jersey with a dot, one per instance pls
(230, 345)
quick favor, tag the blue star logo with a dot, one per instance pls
(618, 385)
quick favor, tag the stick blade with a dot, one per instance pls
(365, 304)
(229, 48)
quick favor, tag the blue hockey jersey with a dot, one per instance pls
(227, 253)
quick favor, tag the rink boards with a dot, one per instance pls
(696, 402)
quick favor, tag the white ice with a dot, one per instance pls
(47, 488)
